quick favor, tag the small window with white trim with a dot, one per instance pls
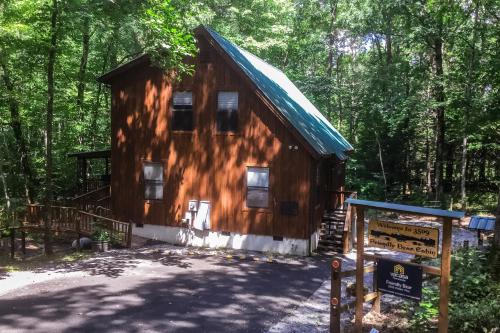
(227, 111)
(182, 111)
(153, 180)
(257, 187)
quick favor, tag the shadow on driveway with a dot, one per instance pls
(177, 294)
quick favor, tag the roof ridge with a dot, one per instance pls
(241, 49)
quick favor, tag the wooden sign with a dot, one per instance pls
(413, 239)
(400, 279)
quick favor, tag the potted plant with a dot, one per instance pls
(100, 240)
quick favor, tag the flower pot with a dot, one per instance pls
(100, 246)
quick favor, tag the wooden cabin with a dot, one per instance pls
(233, 156)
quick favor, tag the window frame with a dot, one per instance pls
(236, 112)
(153, 181)
(268, 188)
(173, 111)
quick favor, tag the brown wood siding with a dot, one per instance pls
(204, 164)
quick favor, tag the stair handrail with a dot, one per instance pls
(78, 197)
(349, 217)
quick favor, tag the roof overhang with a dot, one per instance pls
(108, 77)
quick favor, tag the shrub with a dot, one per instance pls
(474, 297)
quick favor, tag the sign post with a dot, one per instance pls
(402, 278)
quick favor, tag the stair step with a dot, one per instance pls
(332, 224)
(329, 248)
(335, 211)
(340, 217)
(333, 229)
(333, 236)
(330, 242)
(334, 215)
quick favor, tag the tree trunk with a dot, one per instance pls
(82, 72)
(463, 172)
(428, 163)
(339, 96)
(482, 166)
(439, 97)
(331, 54)
(3, 176)
(468, 106)
(496, 238)
(110, 53)
(449, 167)
(381, 165)
(15, 123)
(49, 121)
(5, 187)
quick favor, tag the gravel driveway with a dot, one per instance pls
(159, 289)
(167, 289)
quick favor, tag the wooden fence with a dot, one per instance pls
(71, 219)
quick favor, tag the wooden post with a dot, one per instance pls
(360, 244)
(76, 218)
(346, 246)
(23, 241)
(12, 242)
(376, 300)
(335, 295)
(444, 282)
(129, 236)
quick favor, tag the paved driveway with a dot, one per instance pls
(157, 290)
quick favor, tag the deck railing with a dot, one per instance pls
(71, 219)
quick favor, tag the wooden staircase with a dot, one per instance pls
(332, 235)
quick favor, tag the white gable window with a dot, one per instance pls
(227, 111)
(257, 187)
(153, 180)
(182, 112)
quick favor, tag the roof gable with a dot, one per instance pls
(288, 100)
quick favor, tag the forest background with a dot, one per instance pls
(412, 84)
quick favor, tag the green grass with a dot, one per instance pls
(39, 261)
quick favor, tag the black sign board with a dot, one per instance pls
(399, 279)
(289, 208)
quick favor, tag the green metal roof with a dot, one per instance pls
(288, 99)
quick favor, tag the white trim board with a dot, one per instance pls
(213, 239)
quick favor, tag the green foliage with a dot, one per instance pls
(367, 65)
(100, 234)
(165, 37)
(474, 296)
